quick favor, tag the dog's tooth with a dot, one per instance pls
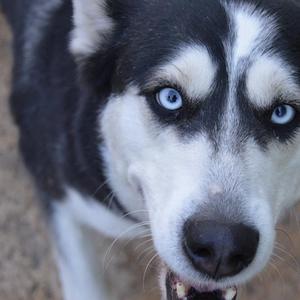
(230, 294)
(181, 290)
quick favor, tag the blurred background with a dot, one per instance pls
(27, 270)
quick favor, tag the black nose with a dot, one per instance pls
(219, 250)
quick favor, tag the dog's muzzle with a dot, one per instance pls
(218, 250)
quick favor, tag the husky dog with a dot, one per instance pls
(186, 110)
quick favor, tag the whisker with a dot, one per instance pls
(282, 259)
(286, 234)
(146, 256)
(279, 274)
(111, 201)
(277, 256)
(136, 226)
(146, 233)
(126, 244)
(100, 187)
(143, 243)
(146, 269)
(145, 251)
(284, 251)
(294, 212)
(134, 212)
(110, 197)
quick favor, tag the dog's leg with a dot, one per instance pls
(79, 278)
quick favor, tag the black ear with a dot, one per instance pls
(92, 25)
(98, 24)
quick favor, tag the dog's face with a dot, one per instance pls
(202, 126)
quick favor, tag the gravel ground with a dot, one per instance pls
(27, 271)
(26, 266)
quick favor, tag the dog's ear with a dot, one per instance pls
(92, 26)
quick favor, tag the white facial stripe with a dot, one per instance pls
(248, 30)
(192, 69)
(91, 24)
(252, 29)
(268, 79)
(249, 27)
(252, 32)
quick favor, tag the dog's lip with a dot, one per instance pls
(180, 290)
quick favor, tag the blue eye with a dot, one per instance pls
(169, 99)
(283, 114)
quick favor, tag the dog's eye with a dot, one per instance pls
(283, 114)
(169, 99)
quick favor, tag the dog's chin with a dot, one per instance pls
(175, 288)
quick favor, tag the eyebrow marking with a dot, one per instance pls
(270, 78)
(192, 69)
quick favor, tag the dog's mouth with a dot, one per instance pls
(178, 290)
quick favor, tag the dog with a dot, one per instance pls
(180, 117)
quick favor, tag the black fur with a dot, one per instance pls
(56, 106)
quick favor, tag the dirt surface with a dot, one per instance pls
(27, 271)
(26, 265)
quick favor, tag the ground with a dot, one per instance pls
(27, 270)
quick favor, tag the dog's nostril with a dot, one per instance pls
(219, 250)
(238, 259)
(238, 262)
(196, 249)
(204, 252)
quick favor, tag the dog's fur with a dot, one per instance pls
(102, 151)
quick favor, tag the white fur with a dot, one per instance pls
(92, 25)
(78, 277)
(248, 29)
(270, 79)
(88, 212)
(251, 27)
(192, 69)
(113, 125)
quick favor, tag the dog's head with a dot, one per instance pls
(202, 123)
